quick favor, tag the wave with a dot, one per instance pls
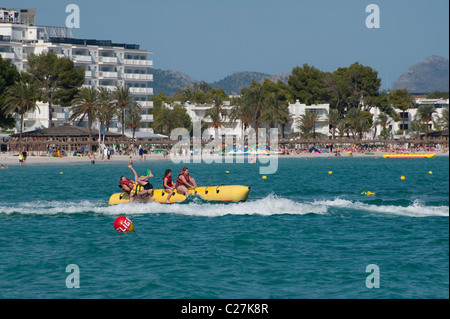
(267, 206)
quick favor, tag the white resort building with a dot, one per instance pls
(107, 64)
(298, 109)
(408, 116)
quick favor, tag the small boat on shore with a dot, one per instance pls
(222, 193)
(409, 155)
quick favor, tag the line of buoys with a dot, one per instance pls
(123, 225)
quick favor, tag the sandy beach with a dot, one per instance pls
(13, 160)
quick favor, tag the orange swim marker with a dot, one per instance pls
(123, 225)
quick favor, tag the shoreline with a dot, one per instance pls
(13, 160)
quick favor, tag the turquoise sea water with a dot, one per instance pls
(303, 233)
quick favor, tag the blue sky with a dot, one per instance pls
(210, 39)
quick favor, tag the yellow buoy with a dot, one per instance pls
(227, 172)
(330, 172)
(61, 173)
(264, 177)
(402, 177)
(430, 172)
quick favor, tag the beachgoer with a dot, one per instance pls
(20, 159)
(24, 155)
(92, 158)
(3, 166)
(168, 184)
(184, 182)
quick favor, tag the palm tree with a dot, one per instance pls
(218, 103)
(342, 127)
(20, 98)
(425, 115)
(307, 124)
(85, 105)
(133, 120)
(445, 118)
(276, 113)
(253, 103)
(167, 119)
(383, 120)
(333, 119)
(356, 120)
(241, 112)
(189, 94)
(123, 101)
(216, 114)
(105, 110)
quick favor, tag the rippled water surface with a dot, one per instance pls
(303, 233)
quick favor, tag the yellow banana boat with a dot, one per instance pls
(222, 193)
(409, 155)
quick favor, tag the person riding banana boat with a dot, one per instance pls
(129, 186)
(184, 182)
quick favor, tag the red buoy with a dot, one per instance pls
(123, 225)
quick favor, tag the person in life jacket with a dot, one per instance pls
(184, 182)
(168, 184)
(127, 185)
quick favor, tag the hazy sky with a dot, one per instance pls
(210, 39)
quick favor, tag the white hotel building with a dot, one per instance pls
(107, 64)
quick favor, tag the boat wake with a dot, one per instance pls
(267, 206)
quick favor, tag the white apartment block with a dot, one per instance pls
(197, 113)
(408, 116)
(106, 64)
(297, 109)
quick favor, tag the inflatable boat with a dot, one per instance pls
(409, 155)
(222, 193)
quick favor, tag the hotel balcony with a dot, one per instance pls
(146, 117)
(82, 58)
(137, 76)
(107, 59)
(147, 91)
(146, 104)
(8, 55)
(59, 115)
(109, 87)
(138, 62)
(106, 74)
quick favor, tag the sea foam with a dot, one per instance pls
(269, 205)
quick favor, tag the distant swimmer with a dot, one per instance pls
(253, 161)
(184, 182)
(168, 184)
(4, 166)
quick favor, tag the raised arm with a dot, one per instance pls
(134, 172)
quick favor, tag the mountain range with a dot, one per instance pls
(429, 75)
